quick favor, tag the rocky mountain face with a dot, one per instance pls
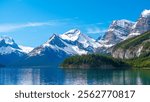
(133, 47)
(121, 30)
(10, 52)
(142, 25)
(117, 31)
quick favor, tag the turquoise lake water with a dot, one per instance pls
(59, 76)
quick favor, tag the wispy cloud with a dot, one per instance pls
(100, 23)
(95, 30)
(13, 27)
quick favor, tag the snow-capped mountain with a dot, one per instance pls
(117, 31)
(75, 37)
(10, 51)
(8, 46)
(142, 25)
(121, 30)
(58, 47)
(6, 41)
(72, 42)
(25, 49)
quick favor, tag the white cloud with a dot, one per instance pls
(95, 30)
(13, 27)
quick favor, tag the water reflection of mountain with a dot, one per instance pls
(17, 76)
(58, 76)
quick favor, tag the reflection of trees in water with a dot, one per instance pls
(131, 77)
(104, 77)
(119, 77)
(100, 77)
(145, 76)
(75, 76)
(125, 77)
(85, 76)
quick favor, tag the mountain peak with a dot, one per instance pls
(51, 39)
(7, 40)
(53, 36)
(71, 35)
(145, 13)
(122, 23)
(118, 31)
(73, 31)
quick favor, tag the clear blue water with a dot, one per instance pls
(59, 76)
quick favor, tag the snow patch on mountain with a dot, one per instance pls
(87, 41)
(6, 50)
(8, 40)
(25, 49)
(59, 42)
(71, 35)
(133, 35)
(122, 23)
(146, 13)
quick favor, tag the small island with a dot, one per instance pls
(93, 61)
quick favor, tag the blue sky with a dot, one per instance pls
(32, 22)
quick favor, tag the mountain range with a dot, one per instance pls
(72, 42)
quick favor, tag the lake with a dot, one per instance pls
(59, 76)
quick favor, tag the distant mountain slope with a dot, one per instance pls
(134, 47)
(10, 52)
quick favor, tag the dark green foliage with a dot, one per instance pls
(141, 62)
(92, 61)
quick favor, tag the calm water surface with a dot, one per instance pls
(59, 76)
